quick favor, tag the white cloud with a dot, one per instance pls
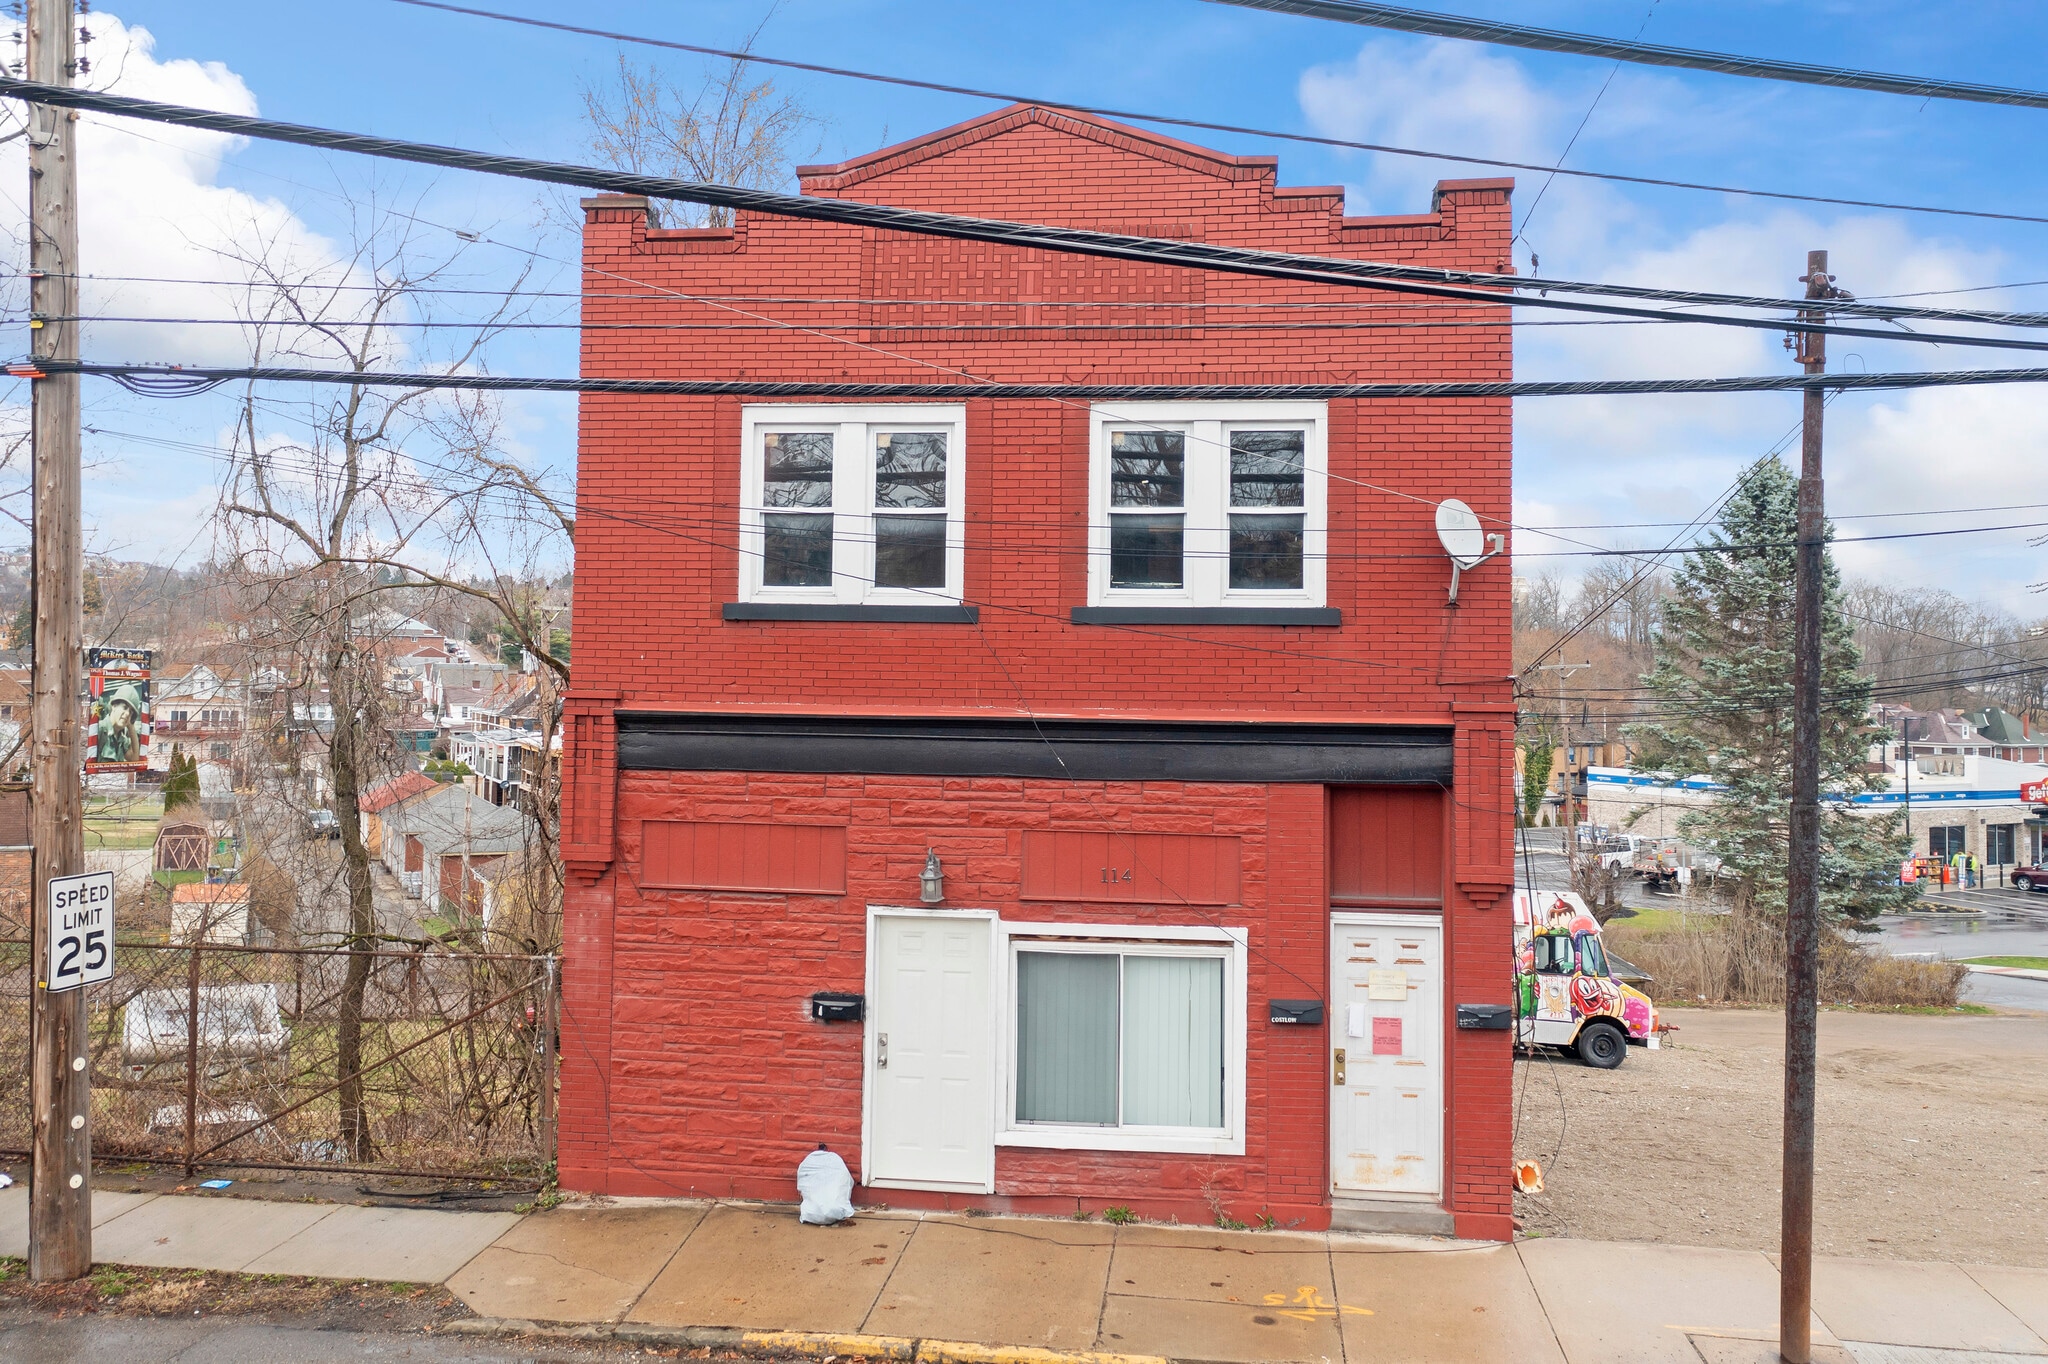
(151, 206)
(1662, 459)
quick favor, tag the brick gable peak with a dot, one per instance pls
(837, 178)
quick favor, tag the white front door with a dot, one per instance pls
(1386, 1058)
(930, 1057)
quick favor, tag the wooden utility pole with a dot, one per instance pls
(60, 1176)
(1564, 721)
(1802, 885)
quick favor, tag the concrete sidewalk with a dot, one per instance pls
(1177, 1292)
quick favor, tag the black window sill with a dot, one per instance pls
(906, 615)
(1207, 615)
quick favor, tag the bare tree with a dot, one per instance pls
(311, 516)
(727, 128)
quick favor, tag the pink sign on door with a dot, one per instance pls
(1386, 1037)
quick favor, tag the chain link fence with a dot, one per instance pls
(210, 1055)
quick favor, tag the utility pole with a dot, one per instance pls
(1906, 729)
(60, 1177)
(1802, 886)
(1564, 721)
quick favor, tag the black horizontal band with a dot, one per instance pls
(1082, 750)
(927, 615)
(1207, 615)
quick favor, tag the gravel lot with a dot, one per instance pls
(1933, 1137)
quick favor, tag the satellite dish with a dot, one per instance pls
(1457, 526)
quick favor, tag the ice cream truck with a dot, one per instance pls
(1565, 992)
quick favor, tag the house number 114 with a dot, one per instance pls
(1110, 875)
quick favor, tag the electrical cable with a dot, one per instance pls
(1702, 707)
(1170, 325)
(1205, 126)
(656, 294)
(186, 381)
(1646, 54)
(1473, 287)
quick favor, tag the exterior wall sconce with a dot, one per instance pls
(932, 879)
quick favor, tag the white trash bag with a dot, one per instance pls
(825, 1186)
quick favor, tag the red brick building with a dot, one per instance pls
(1170, 696)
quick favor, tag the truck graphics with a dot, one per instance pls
(1565, 994)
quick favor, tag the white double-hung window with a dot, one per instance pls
(1208, 505)
(1134, 1045)
(851, 505)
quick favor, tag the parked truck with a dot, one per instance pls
(1566, 995)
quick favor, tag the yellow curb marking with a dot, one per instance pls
(819, 1343)
(958, 1352)
(1307, 1305)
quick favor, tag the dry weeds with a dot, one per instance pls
(1727, 961)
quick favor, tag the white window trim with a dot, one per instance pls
(1229, 945)
(1206, 548)
(853, 491)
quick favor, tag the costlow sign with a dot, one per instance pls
(81, 930)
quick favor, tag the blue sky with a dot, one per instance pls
(1625, 464)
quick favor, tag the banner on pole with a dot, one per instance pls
(117, 709)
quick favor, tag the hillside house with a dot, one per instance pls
(422, 835)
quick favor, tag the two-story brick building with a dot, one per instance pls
(1167, 696)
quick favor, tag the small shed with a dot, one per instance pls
(182, 846)
(210, 913)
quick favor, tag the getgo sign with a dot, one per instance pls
(81, 932)
(2034, 792)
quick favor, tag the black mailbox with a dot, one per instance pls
(1485, 1017)
(1307, 1013)
(827, 1007)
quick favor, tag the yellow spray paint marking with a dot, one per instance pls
(1306, 1304)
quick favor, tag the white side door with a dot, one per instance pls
(930, 1053)
(1386, 1062)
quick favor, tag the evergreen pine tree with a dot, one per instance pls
(181, 780)
(1723, 710)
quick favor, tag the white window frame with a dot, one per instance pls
(1205, 548)
(853, 492)
(1130, 940)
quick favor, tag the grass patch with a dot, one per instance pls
(1666, 921)
(1926, 1009)
(2024, 963)
(121, 834)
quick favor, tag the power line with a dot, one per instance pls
(1467, 286)
(1832, 516)
(1169, 325)
(655, 293)
(1646, 54)
(179, 381)
(1205, 126)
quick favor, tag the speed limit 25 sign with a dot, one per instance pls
(81, 933)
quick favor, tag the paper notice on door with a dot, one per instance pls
(1354, 1020)
(1386, 1037)
(1389, 985)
